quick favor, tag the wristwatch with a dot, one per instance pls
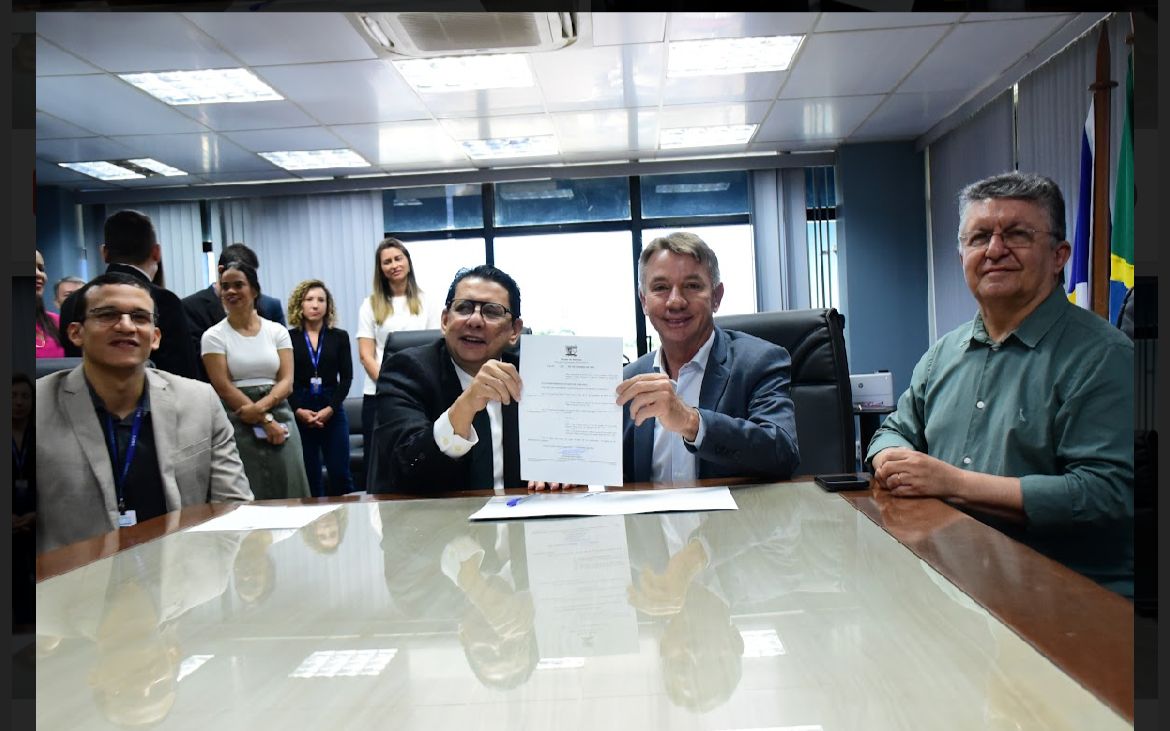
(269, 418)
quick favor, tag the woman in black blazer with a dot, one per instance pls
(322, 374)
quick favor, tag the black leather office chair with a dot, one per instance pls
(815, 339)
(403, 339)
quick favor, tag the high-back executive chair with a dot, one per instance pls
(815, 340)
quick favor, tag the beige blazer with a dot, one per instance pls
(197, 455)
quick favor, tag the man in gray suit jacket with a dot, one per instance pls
(709, 402)
(112, 449)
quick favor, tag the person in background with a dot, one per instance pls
(48, 328)
(131, 247)
(249, 361)
(396, 304)
(64, 287)
(1023, 416)
(322, 374)
(205, 307)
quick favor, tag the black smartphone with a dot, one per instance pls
(850, 481)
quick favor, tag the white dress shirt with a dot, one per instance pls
(671, 461)
(453, 445)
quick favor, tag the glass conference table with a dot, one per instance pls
(800, 610)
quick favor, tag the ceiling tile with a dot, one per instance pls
(600, 78)
(862, 62)
(273, 175)
(197, 153)
(981, 17)
(608, 131)
(403, 144)
(347, 93)
(821, 145)
(52, 61)
(49, 127)
(491, 127)
(903, 116)
(485, 103)
(250, 115)
(85, 149)
(122, 42)
(974, 54)
(612, 29)
(709, 115)
(300, 138)
(108, 105)
(723, 88)
(161, 182)
(815, 119)
(261, 39)
(864, 21)
(689, 26)
(51, 174)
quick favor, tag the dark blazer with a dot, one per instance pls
(415, 387)
(204, 308)
(335, 366)
(176, 353)
(746, 409)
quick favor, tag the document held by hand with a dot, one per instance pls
(570, 423)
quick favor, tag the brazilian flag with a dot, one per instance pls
(1121, 237)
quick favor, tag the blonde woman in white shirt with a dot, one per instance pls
(396, 304)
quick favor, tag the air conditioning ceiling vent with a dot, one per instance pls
(421, 35)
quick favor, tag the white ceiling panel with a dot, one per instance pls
(255, 176)
(300, 138)
(611, 29)
(975, 53)
(52, 61)
(252, 115)
(403, 144)
(262, 39)
(821, 145)
(489, 127)
(51, 174)
(866, 21)
(161, 182)
(690, 26)
(49, 127)
(108, 105)
(709, 115)
(909, 115)
(485, 103)
(982, 17)
(811, 119)
(607, 131)
(198, 153)
(600, 78)
(85, 149)
(123, 42)
(723, 88)
(862, 62)
(347, 93)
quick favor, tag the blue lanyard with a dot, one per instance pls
(315, 355)
(19, 455)
(121, 473)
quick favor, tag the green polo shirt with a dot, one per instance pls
(1051, 404)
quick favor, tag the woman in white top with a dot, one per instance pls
(249, 361)
(396, 304)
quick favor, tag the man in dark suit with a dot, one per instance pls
(709, 402)
(446, 416)
(131, 247)
(204, 308)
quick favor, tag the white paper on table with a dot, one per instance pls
(579, 574)
(626, 502)
(569, 420)
(265, 517)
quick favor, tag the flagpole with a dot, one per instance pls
(1100, 248)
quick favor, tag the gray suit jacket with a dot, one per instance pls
(76, 499)
(746, 409)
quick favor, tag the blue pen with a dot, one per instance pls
(517, 500)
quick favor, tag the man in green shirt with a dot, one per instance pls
(1023, 416)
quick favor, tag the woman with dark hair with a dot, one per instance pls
(396, 304)
(48, 329)
(249, 361)
(322, 374)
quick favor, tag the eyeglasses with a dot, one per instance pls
(1013, 238)
(490, 311)
(110, 316)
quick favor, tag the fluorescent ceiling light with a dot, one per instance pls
(344, 663)
(208, 86)
(692, 187)
(156, 167)
(761, 643)
(711, 57)
(723, 134)
(505, 147)
(315, 159)
(466, 73)
(102, 170)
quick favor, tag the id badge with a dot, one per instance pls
(315, 385)
(127, 519)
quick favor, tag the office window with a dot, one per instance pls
(433, 208)
(436, 262)
(573, 284)
(542, 202)
(695, 194)
(821, 237)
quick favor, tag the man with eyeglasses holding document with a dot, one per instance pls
(118, 442)
(1024, 415)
